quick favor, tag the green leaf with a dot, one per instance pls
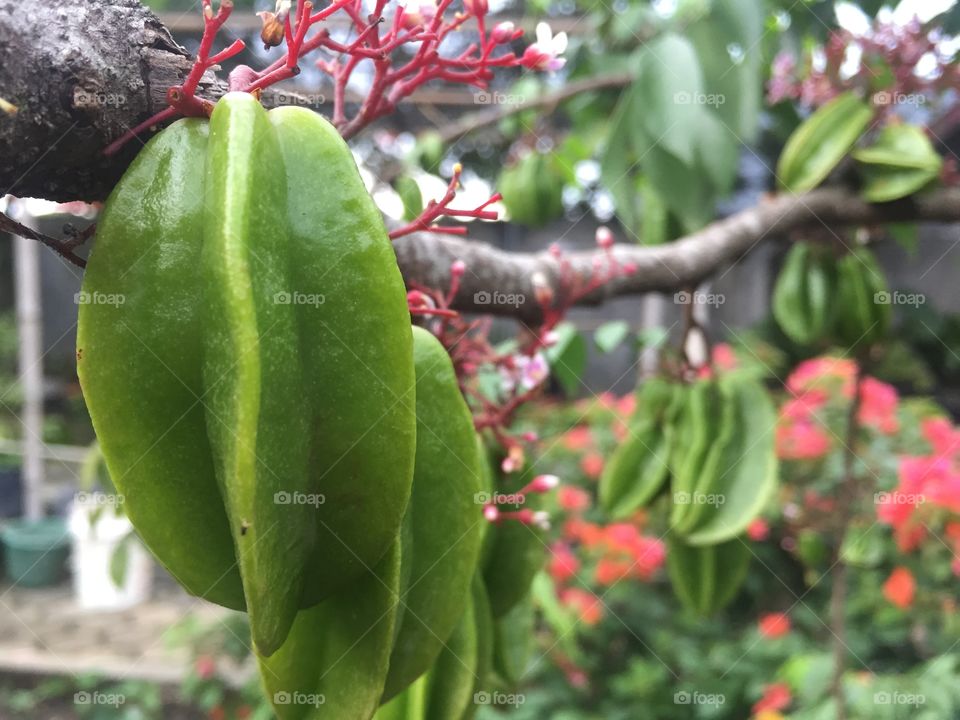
(652, 338)
(669, 89)
(609, 335)
(734, 79)
(820, 143)
(718, 152)
(410, 195)
(568, 357)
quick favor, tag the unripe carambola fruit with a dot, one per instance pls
(253, 392)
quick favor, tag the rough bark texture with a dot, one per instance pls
(679, 264)
(80, 74)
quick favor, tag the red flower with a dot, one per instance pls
(627, 404)
(878, 405)
(774, 625)
(944, 440)
(758, 530)
(611, 571)
(573, 499)
(205, 666)
(900, 588)
(648, 554)
(723, 357)
(582, 531)
(585, 603)
(563, 563)
(776, 696)
(592, 465)
(577, 438)
(801, 440)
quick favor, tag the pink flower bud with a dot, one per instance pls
(476, 7)
(458, 268)
(490, 512)
(604, 237)
(630, 268)
(555, 250)
(503, 32)
(530, 436)
(541, 288)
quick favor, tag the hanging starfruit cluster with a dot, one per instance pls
(707, 449)
(821, 298)
(286, 443)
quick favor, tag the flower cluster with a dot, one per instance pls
(401, 47)
(888, 69)
(928, 488)
(802, 430)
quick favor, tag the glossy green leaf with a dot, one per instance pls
(610, 335)
(568, 357)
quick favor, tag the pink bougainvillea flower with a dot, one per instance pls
(584, 603)
(878, 405)
(776, 696)
(563, 564)
(545, 53)
(900, 588)
(758, 530)
(774, 625)
(801, 440)
(572, 498)
(592, 465)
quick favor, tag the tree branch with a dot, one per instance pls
(426, 258)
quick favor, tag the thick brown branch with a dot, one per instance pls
(426, 258)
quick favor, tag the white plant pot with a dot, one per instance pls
(94, 544)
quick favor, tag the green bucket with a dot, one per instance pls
(36, 551)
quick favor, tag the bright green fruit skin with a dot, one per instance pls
(333, 664)
(262, 349)
(445, 521)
